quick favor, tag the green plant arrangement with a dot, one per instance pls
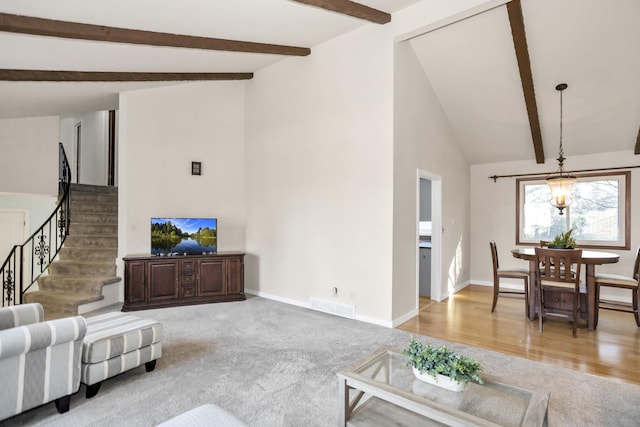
(563, 241)
(443, 361)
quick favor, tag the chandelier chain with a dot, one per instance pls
(561, 149)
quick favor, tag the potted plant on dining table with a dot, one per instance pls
(563, 241)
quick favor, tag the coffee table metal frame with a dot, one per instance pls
(352, 379)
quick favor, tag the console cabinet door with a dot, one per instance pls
(134, 282)
(211, 277)
(163, 280)
(235, 280)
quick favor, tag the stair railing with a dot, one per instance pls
(26, 262)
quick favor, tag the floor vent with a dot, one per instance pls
(344, 310)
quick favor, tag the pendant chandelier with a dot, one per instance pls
(561, 182)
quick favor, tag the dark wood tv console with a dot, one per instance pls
(154, 281)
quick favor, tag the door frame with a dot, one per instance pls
(436, 235)
(77, 148)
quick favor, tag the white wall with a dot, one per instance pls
(94, 139)
(319, 175)
(424, 140)
(161, 132)
(493, 210)
(29, 155)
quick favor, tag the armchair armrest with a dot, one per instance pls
(29, 338)
(19, 315)
(40, 363)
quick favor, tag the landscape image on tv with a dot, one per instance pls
(183, 235)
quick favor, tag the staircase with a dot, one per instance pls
(87, 261)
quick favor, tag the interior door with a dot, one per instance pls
(12, 231)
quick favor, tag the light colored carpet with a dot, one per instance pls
(273, 364)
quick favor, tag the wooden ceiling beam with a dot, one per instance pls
(73, 30)
(95, 76)
(514, 9)
(351, 8)
(637, 150)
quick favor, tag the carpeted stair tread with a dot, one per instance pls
(60, 302)
(93, 197)
(82, 284)
(88, 254)
(93, 188)
(94, 207)
(105, 280)
(89, 241)
(82, 268)
(95, 217)
(93, 229)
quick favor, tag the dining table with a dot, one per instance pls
(589, 259)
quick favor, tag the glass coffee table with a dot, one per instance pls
(382, 390)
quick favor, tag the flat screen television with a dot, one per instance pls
(183, 236)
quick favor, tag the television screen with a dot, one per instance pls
(183, 235)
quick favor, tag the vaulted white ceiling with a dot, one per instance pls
(592, 45)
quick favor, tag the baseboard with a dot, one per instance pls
(277, 298)
(407, 316)
(333, 307)
(503, 284)
(297, 303)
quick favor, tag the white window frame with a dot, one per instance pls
(624, 178)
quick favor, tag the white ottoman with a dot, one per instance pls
(116, 342)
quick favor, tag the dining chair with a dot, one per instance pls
(545, 244)
(512, 273)
(621, 282)
(550, 275)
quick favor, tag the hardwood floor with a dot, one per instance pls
(613, 350)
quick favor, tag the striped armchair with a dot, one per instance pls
(39, 361)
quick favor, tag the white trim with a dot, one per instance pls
(297, 303)
(277, 298)
(373, 321)
(407, 316)
(517, 285)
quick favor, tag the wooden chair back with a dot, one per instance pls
(558, 265)
(636, 266)
(494, 256)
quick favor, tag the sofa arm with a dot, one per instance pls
(19, 315)
(25, 339)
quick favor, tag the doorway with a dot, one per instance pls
(424, 238)
(429, 225)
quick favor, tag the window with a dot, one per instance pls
(599, 214)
